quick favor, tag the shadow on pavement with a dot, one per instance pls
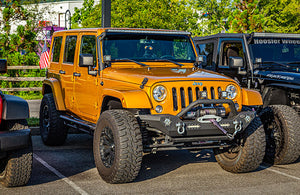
(163, 162)
(76, 156)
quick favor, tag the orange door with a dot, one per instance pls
(86, 85)
(67, 68)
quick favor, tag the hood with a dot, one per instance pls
(282, 76)
(155, 74)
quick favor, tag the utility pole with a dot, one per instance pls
(106, 13)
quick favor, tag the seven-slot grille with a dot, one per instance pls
(183, 96)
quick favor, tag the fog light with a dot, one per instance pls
(159, 109)
(223, 94)
(203, 95)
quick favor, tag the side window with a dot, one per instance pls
(207, 49)
(88, 46)
(70, 47)
(56, 49)
(231, 49)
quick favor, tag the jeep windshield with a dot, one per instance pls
(145, 47)
(275, 52)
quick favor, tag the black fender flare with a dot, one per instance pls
(14, 108)
(275, 94)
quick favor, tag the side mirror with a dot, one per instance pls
(201, 60)
(3, 66)
(236, 62)
(86, 60)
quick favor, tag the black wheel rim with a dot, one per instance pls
(274, 137)
(107, 147)
(45, 120)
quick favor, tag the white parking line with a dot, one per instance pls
(64, 178)
(279, 172)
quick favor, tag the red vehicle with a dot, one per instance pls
(15, 139)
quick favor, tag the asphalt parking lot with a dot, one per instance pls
(70, 169)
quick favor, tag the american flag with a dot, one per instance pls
(44, 60)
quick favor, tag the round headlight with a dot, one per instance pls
(159, 93)
(231, 91)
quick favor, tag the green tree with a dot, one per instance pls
(24, 39)
(164, 14)
(88, 16)
(282, 16)
(18, 46)
(213, 15)
(246, 17)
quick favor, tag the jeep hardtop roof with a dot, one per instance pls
(124, 30)
(240, 35)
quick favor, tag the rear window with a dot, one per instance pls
(56, 49)
(70, 47)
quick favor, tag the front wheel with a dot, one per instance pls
(117, 146)
(247, 151)
(16, 166)
(281, 125)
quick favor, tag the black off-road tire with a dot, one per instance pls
(282, 127)
(118, 146)
(247, 152)
(53, 131)
(16, 167)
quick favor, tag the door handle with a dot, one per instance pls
(62, 72)
(76, 74)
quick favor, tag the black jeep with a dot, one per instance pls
(269, 63)
(15, 139)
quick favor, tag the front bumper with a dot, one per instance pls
(12, 140)
(207, 125)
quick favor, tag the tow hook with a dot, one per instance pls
(180, 128)
(237, 127)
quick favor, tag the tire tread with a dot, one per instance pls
(130, 143)
(252, 152)
(290, 120)
(57, 133)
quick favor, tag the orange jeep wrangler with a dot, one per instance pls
(138, 91)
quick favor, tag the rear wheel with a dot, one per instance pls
(247, 151)
(117, 146)
(281, 124)
(53, 131)
(16, 166)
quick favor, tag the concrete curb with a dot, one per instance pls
(35, 130)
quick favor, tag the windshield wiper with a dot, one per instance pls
(130, 60)
(294, 62)
(166, 60)
(277, 63)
